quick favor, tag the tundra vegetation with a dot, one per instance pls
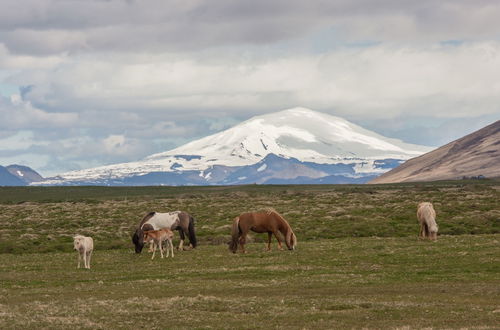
(358, 263)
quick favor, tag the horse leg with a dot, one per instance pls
(171, 247)
(154, 250)
(84, 259)
(87, 262)
(269, 236)
(183, 237)
(242, 242)
(79, 258)
(426, 230)
(185, 231)
(88, 258)
(161, 249)
(280, 247)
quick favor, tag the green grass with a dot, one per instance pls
(337, 283)
(358, 264)
(45, 218)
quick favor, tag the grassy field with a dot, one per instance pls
(45, 219)
(358, 264)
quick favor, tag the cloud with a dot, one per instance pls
(381, 81)
(51, 27)
(110, 81)
(428, 130)
(18, 114)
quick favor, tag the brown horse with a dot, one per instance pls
(158, 237)
(267, 221)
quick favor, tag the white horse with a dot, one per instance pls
(427, 219)
(158, 237)
(85, 246)
(178, 220)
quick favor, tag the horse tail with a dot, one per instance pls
(235, 234)
(191, 232)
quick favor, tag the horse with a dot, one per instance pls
(178, 220)
(266, 221)
(85, 247)
(158, 237)
(427, 218)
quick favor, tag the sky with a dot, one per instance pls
(85, 83)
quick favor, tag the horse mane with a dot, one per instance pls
(146, 218)
(291, 238)
(270, 210)
(137, 237)
(267, 210)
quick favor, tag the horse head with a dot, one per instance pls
(433, 230)
(138, 240)
(291, 239)
(78, 242)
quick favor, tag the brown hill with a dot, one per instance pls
(477, 154)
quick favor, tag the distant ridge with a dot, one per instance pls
(25, 173)
(18, 175)
(474, 155)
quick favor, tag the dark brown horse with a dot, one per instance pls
(267, 221)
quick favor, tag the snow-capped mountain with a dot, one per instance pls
(313, 145)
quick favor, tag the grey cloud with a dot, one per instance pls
(429, 131)
(81, 26)
(17, 114)
(52, 144)
(125, 79)
(378, 81)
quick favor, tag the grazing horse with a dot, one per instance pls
(85, 247)
(158, 237)
(178, 220)
(267, 221)
(427, 219)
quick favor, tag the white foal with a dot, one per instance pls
(85, 247)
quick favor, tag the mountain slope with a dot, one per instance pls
(8, 179)
(301, 137)
(25, 173)
(477, 154)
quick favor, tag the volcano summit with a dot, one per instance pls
(296, 145)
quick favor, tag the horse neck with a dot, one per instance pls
(284, 227)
